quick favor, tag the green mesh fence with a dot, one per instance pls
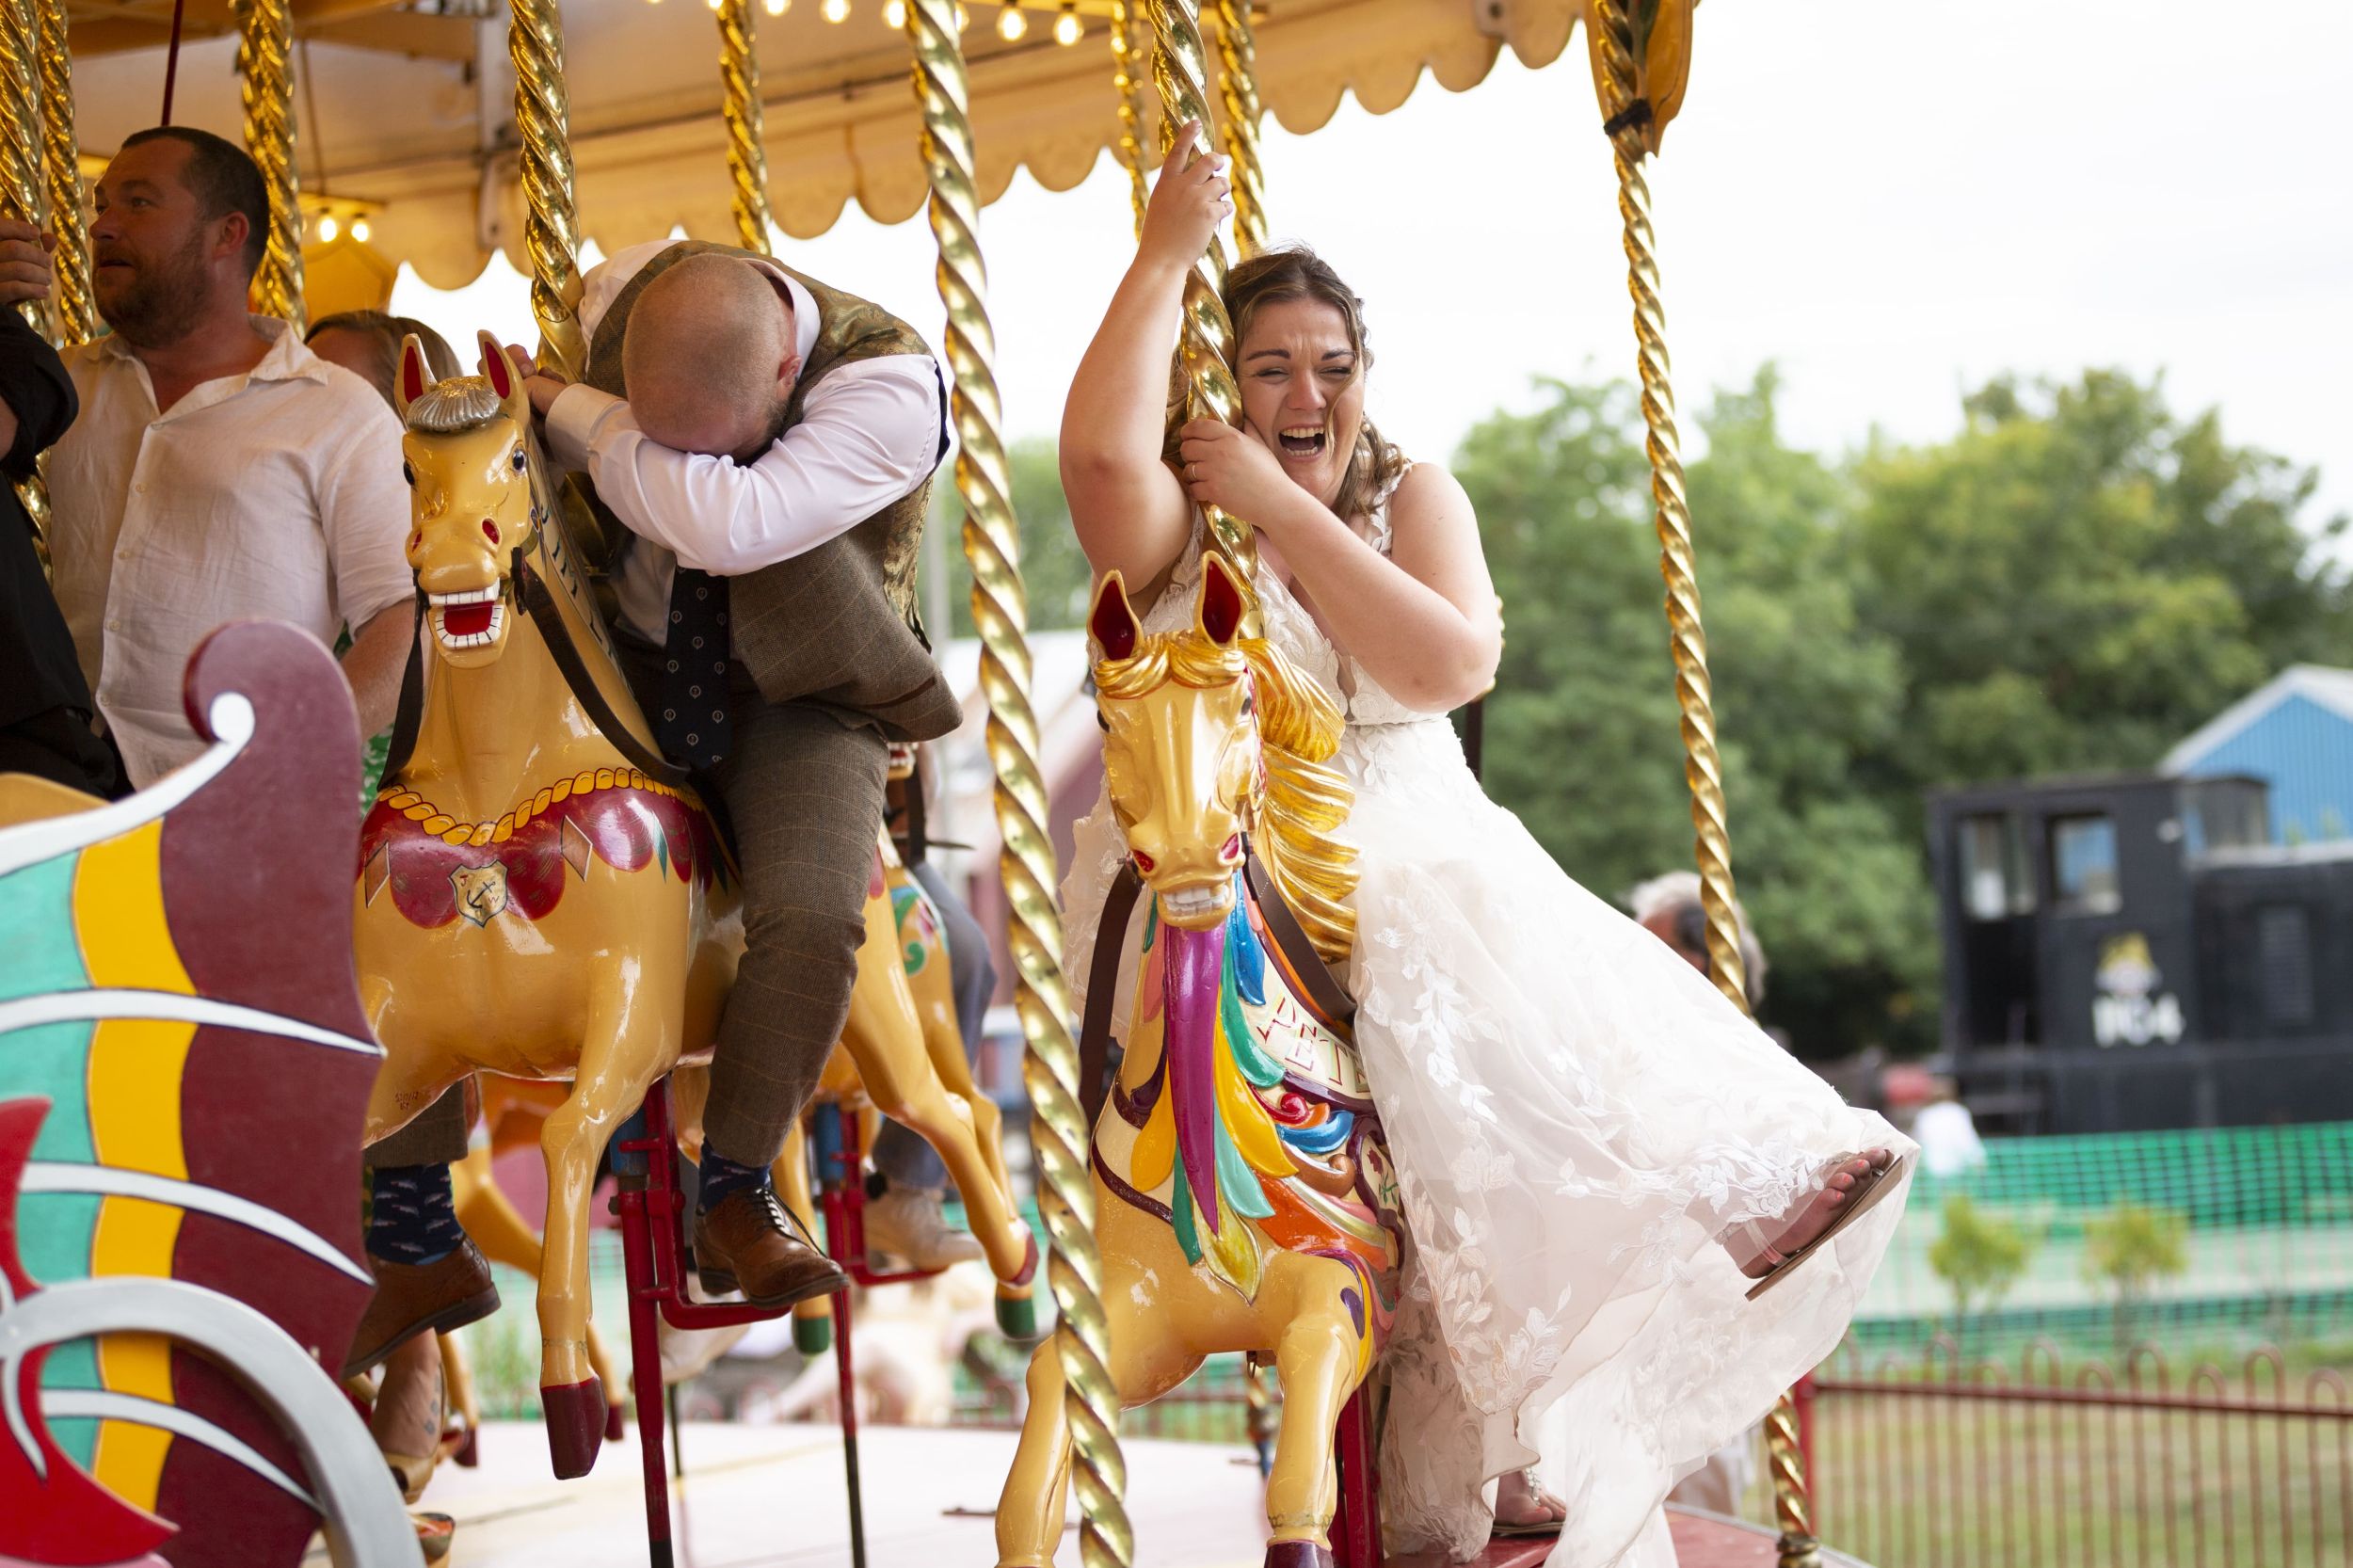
(2221, 1237)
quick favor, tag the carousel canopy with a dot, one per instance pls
(406, 109)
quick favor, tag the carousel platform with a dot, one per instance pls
(773, 1497)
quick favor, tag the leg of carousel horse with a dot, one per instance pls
(505, 1237)
(1320, 1357)
(626, 1045)
(882, 1024)
(813, 1319)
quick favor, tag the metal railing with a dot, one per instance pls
(1934, 1462)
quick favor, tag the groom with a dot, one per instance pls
(764, 447)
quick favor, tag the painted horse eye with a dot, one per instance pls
(519, 459)
(407, 473)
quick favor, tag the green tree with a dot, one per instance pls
(1978, 1256)
(1053, 567)
(1583, 737)
(2078, 579)
(2130, 1248)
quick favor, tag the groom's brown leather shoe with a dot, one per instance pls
(410, 1299)
(748, 1241)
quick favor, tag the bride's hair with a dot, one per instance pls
(1289, 272)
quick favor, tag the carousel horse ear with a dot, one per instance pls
(414, 378)
(499, 370)
(1221, 605)
(1113, 621)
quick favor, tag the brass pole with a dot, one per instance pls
(1207, 343)
(24, 193)
(1238, 85)
(76, 312)
(534, 40)
(992, 545)
(747, 155)
(1702, 769)
(265, 81)
(1130, 147)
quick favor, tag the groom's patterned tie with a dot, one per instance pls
(693, 725)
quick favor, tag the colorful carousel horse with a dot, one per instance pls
(1244, 1197)
(540, 895)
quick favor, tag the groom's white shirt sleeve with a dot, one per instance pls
(868, 433)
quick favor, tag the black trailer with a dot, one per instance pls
(2131, 951)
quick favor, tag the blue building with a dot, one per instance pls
(2295, 733)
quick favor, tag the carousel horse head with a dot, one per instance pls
(473, 505)
(1216, 744)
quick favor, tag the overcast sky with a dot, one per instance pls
(1893, 201)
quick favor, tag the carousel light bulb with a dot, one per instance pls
(964, 18)
(834, 10)
(359, 230)
(1068, 29)
(778, 8)
(1011, 24)
(329, 228)
(895, 15)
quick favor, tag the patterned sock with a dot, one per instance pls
(411, 1217)
(722, 1178)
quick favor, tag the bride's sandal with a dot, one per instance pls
(1556, 1512)
(1771, 1266)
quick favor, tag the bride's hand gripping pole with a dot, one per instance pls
(1206, 346)
(1638, 78)
(992, 545)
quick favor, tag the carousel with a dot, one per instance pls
(191, 1061)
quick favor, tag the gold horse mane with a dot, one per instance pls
(1307, 799)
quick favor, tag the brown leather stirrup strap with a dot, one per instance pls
(541, 604)
(1095, 1033)
(410, 710)
(1323, 987)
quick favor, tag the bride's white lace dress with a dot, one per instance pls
(1575, 1116)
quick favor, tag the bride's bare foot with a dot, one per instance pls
(1817, 1213)
(1523, 1506)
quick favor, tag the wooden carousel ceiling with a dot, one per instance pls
(408, 106)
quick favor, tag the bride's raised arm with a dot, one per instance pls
(1129, 510)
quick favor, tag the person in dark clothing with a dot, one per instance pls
(45, 707)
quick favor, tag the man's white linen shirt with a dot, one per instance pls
(277, 494)
(868, 433)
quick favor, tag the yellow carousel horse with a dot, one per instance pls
(1244, 1197)
(535, 900)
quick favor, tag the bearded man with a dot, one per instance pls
(219, 469)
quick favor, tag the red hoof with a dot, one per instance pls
(468, 1454)
(1029, 1264)
(1298, 1554)
(613, 1433)
(574, 1413)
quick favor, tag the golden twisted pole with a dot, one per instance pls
(1238, 85)
(1626, 118)
(265, 82)
(1207, 343)
(76, 312)
(23, 194)
(534, 40)
(747, 155)
(992, 544)
(1124, 81)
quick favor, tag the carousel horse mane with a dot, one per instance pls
(1306, 798)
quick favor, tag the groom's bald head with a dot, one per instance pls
(709, 357)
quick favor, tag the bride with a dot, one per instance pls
(1600, 1158)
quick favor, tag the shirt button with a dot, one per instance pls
(139, 489)
(114, 626)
